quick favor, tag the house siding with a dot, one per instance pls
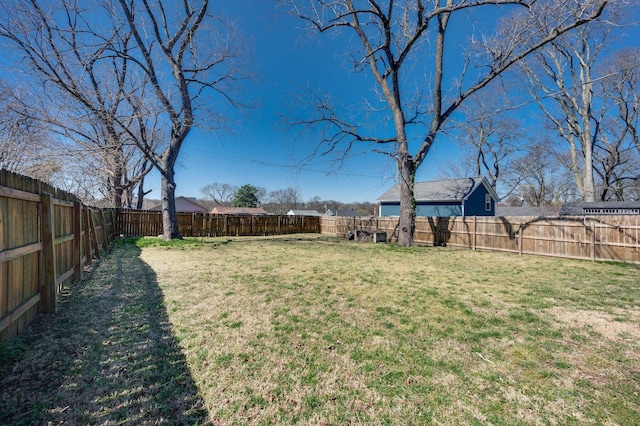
(474, 206)
(428, 210)
(390, 209)
(439, 209)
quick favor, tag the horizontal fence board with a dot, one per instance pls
(28, 304)
(18, 194)
(11, 254)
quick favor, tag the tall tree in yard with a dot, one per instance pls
(396, 39)
(183, 55)
(134, 70)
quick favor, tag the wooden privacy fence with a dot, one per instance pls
(47, 236)
(136, 223)
(615, 238)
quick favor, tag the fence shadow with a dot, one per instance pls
(109, 357)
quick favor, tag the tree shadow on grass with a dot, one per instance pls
(108, 357)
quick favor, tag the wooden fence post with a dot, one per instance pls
(105, 238)
(520, 231)
(474, 233)
(48, 259)
(94, 235)
(593, 240)
(77, 240)
(87, 235)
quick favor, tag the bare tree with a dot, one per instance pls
(182, 54)
(538, 177)
(24, 146)
(396, 37)
(566, 79)
(493, 138)
(283, 200)
(624, 84)
(617, 154)
(220, 193)
(84, 88)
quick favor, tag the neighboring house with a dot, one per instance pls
(304, 213)
(240, 211)
(536, 211)
(445, 198)
(600, 208)
(184, 205)
(347, 213)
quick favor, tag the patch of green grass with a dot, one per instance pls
(144, 242)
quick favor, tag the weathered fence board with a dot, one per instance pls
(44, 242)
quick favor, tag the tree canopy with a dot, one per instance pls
(246, 196)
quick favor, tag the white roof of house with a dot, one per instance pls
(303, 213)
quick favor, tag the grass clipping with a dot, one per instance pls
(313, 330)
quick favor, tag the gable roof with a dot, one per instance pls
(240, 211)
(456, 190)
(184, 204)
(304, 213)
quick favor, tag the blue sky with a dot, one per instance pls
(255, 149)
(258, 150)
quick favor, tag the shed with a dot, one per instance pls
(445, 198)
(184, 204)
(600, 208)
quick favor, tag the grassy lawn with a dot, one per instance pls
(315, 330)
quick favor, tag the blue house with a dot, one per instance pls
(444, 198)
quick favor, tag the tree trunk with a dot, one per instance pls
(116, 190)
(170, 229)
(406, 169)
(141, 194)
(588, 184)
